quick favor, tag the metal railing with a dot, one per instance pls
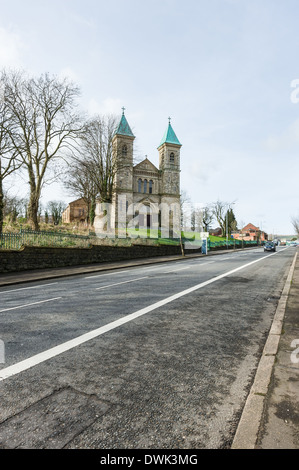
(232, 243)
(14, 241)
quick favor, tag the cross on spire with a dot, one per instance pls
(169, 119)
(123, 108)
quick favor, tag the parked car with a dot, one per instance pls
(270, 246)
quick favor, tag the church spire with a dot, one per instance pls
(169, 136)
(123, 127)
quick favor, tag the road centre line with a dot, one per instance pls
(176, 270)
(24, 288)
(68, 345)
(123, 282)
(206, 262)
(29, 305)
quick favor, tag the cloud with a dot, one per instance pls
(11, 47)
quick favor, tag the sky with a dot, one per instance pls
(225, 71)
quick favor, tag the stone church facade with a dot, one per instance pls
(145, 196)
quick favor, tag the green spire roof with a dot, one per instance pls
(169, 137)
(123, 127)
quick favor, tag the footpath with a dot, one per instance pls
(270, 418)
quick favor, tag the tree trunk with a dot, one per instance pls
(181, 244)
(33, 210)
(92, 211)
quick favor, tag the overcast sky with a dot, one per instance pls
(223, 70)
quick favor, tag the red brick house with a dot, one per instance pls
(250, 233)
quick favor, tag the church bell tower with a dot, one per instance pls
(122, 150)
(169, 165)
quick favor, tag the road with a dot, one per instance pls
(160, 356)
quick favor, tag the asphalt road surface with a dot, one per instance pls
(153, 357)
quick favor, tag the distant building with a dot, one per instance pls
(250, 233)
(76, 211)
(216, 232)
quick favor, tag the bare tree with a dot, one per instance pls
(80, 183)
(97, 147)
(92, 170)
(12, 206)
(42, 111)
(186, 209)
(56, 208)
(203, 218)
(219, 209)
(8, 161)
(295, 223)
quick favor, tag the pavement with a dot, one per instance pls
(270, 418)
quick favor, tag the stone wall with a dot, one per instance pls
(46, 257)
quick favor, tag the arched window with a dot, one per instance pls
(139, 185)
(145, 186)
(124, 151)
(171, 157)
(150, 188)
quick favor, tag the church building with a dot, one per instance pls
(145, 196)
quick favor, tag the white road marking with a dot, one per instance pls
(57, 350)
(176, 270)
(123, 282)
(24, 288)
(28, 305)
(151, 269)
(206, 262)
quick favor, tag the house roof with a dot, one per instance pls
(81, 200)
(250, 226)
